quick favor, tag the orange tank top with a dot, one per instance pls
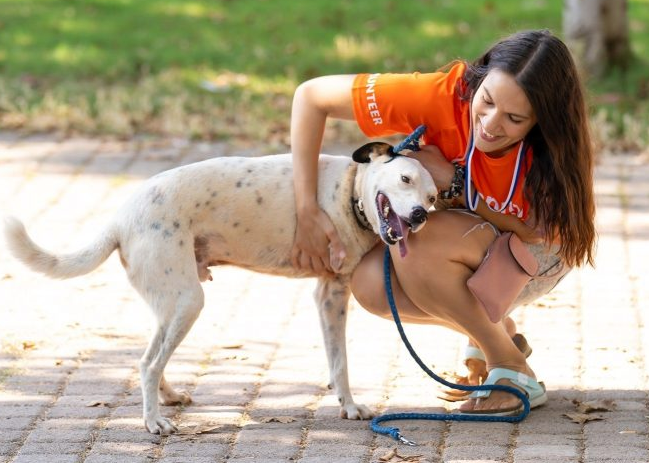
(388, 104)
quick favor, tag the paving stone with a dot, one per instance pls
(46, 458)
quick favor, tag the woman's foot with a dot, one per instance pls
(495, 402)
(474, 360)
(477, 366)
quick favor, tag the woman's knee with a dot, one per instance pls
(367, 284)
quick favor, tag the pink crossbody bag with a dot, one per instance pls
(506, 269)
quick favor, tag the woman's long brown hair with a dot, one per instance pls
(559, 184)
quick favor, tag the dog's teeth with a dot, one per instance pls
(386, 211)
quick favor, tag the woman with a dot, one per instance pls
(518, 115)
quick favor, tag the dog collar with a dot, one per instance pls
(359, 213)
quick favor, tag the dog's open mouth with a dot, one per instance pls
(394, 229)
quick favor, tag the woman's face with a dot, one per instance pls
(502, 114)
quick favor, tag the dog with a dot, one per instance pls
(241, 211)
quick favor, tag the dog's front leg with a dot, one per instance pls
(332, 298)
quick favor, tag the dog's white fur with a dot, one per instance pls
(238, 211)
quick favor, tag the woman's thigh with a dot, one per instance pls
(431, 279)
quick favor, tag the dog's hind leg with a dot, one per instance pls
(169, 396)
(177, 307)
(332, 298)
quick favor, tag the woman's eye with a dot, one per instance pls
(405, 179)
(487, 101)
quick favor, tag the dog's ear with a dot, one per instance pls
(376, 148)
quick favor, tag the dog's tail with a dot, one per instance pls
(57, 266)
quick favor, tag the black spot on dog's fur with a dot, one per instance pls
(198, 205)
(207, 203)
(213, 194)
(167, 234)
(181, 243)
(337, 186)
(235, 224)
(158, 198)
(239, 184)
(156, 226)
(250, 170)
(176, 224)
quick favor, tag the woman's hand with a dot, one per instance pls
(317, 247)
(439, 167)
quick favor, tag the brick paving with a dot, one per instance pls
(254, 361)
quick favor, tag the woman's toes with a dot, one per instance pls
(468, 405)
(497, 400)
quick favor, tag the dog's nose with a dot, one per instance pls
(418, 215)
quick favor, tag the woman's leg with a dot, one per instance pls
(477, 368)
(429, 285)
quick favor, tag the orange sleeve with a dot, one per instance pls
(387, 104)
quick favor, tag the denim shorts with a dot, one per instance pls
(551, 271)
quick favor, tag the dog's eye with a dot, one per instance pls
(432, 199)
(405, 179)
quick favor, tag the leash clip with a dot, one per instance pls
(405, 441)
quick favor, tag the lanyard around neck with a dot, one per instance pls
(472, 198)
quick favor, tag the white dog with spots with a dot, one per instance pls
(241, 211)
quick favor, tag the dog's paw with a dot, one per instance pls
(160, 425)
(355, 411)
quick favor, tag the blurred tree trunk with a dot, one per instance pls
(598, 32)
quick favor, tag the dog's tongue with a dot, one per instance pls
(402, 242)
(401, 229)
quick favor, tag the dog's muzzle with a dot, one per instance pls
(418, 216)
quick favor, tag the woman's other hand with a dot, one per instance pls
(317, 246)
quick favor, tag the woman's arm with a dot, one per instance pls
(314, 101)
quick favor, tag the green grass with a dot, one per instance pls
(227, 69)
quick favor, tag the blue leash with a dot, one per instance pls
(412, 144)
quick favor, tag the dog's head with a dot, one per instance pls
(396, 191)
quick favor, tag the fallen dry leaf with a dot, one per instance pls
(28, 345)
(581, 418)
(393, 456)
(388, 456)
(278, 419)
(605, 405)
(200, 429)
(232, 346)
(97, 403)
